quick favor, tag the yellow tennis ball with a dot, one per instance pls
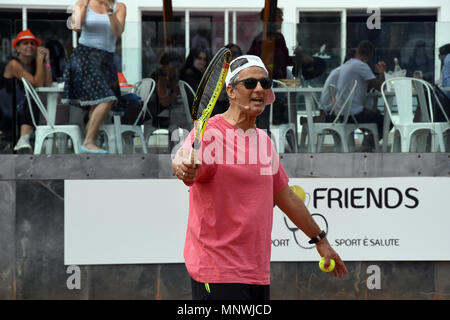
(299, 192)
(330, 267)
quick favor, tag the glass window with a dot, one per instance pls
(163, 56)
(319, 34)
(7, 33)
(408, 36)
(248, 26)
(51, 27)
(154, 41)
(206, 30)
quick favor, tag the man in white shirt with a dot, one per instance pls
(329, 93)
(358, 69)
(327, 98)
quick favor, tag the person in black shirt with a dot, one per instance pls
(195, 66)
(32, 63)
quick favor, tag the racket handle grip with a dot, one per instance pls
(192, 155)
(196, 143)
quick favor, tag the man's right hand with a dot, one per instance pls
(187, 171)
(380, 67)
(183, 168)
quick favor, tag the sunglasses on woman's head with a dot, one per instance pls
(251, 83)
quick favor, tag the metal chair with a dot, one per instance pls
(115, 131)
(186, 91)
(339, 128)
(313, 115)
(442, 127)
(405, 129)
(43, 131)
(280, 132)
(148, 127)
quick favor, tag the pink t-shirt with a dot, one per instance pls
(228, 237)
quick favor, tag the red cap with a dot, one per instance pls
(25, 35)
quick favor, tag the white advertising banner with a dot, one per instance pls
(371, 219)
(367, 219)
(124, 221)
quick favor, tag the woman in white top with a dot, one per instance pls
(91, 78)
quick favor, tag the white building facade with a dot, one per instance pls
(338, 25)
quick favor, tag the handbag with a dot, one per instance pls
(130, 105)
(438, 116)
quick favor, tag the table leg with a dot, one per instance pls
(117, 124)
(52, 100)
(386, 125)
(309, 113)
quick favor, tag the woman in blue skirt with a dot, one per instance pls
(90, 80)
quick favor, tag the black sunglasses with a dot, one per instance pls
(251, 83)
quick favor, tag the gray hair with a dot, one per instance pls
(233, 81)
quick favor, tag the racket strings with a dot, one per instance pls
(211, 86)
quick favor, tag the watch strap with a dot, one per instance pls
(318, 238)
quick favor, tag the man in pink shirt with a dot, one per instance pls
(233, 186)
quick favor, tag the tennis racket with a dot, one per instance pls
(207, 93)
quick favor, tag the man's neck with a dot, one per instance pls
(361, 58)
(239, 119)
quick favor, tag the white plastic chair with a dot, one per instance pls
(144, 89)
(371, 127)
(313, 112)
(443, 128)
(313, 106)
(341, 130)
(404, 127)
(186, 91)
(43, 131)
(280, 131)
(149, 129)
(331, 91)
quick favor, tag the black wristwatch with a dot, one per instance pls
(318, 238)
(110, 11)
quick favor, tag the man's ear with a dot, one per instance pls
(230, 91)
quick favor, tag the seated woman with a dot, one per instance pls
(167, 90)
(32, 63)
(195, 66)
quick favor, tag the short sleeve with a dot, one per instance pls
(280, 178)
(276, 169)
(365, 72)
